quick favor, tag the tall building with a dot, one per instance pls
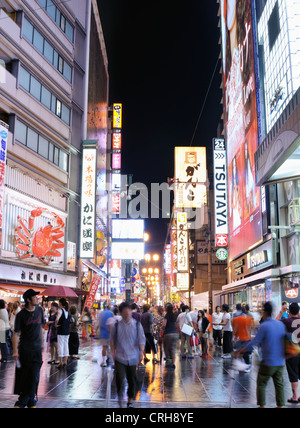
(261, 58)
(53, 97)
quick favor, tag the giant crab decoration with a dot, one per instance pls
(43, 243)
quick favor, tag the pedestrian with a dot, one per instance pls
(210, 328)
(238, 311)
(86, 319)
(203, 325)
(104, 316)
(292, 325)
(74, 336)
(271, 338)
(217, 317)
(242, 332)
(4, 331)
(13, 314)
(170, 336)
(147, 323)
(127, 347)
(227, 332)
(62, 323)
(136, 312)
(52, 333)
(28, 347)
(283, 314)
(183, 320)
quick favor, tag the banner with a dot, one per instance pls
(3, 152)
(93, 290)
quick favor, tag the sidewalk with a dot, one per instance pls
(198, 383)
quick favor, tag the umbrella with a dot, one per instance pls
(59, 291)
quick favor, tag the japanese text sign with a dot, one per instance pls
(3, 152)
(182, 243)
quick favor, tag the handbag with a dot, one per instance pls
(187, 329)
(194, 340)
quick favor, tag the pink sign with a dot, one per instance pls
(3, 151)
(116, 161)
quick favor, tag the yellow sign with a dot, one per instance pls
(117, 116)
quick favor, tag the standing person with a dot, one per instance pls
(86, 319)
(52, 333)
(292, 325)
(210, 328)
(170, 337)
(28, 347)
(127, 347)
(242, 332)
(62, 323)
(104, 316)
(74, 337)
(203, 325)
(4, 330)
(135, 312)
(271, 338)
(185, 318)
(147, 323)
(227, 332)
(283, 314)
(217, 317)
(14, 312)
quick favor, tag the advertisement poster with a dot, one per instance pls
(241, 125)
(191, 176)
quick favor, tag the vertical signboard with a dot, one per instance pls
(117, 116)
(88, 200)
(190, 177)
(93, 290)
(241, 125)
(182, 243)
(220, 192)
(3, 153)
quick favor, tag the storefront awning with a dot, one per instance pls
(95, 268)
(243, 283)
(20, 289)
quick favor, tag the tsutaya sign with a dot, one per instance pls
(220, 191)
(88, 200)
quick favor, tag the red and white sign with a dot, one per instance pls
(116, 204)
(292, 293)
(221, 240)
(3, 151)
(93, 290)
(117, 141)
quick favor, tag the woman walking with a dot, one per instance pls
(203, 326)
(227, 332)
(52, 333)
(74, 337)
(62, 324)
(147, 323)
(170, 337)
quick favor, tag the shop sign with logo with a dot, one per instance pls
(220, 192)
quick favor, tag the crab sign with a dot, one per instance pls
(43, 243)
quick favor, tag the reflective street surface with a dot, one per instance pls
(198, 383)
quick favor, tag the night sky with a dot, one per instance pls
(162, 55)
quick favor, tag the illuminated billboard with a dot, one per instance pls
(241, 125)
(117, 116)
(190, 177)
(128, 250)
(128, 229)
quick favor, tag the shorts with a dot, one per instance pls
(104, 342)
(63, 346)
(293, 369)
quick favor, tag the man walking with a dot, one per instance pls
(127, 347)
(104, 334)
(271, 338)
(217, 317)
(27, 348)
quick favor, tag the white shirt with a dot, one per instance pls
(228, 327)
(217, 318)
(184, 318)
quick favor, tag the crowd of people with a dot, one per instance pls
(129, 334)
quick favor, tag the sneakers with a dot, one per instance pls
(226, 356)
(130, 406)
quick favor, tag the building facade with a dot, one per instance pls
(48, 73)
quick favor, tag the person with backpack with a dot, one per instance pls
(127, 348)
(62, 324)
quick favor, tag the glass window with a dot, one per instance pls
(53, 104)
(56, 156)
(35, 88)
(48, 52)
(32, 140)
(43, 147)
(62, 23)
(24, 79)
(58, 108)
(58, 17)
(28, 30)
(38, 41)
(274, 26)
(51, 9)
(65, 114)
(63, 160)
(60, 65)
(46, 97)
(21, 132)
(55, 59)
(42, 3)
(69, 31)
(51, 152)
(67, 72)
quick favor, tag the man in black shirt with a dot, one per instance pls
(28, 347)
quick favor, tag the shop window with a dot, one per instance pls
(274, 26)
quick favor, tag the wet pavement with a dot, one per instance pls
(197, 383)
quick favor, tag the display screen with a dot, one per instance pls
(128, 229)
(241, 125)
(128, 250)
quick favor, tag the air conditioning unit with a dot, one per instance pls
(294, 212)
